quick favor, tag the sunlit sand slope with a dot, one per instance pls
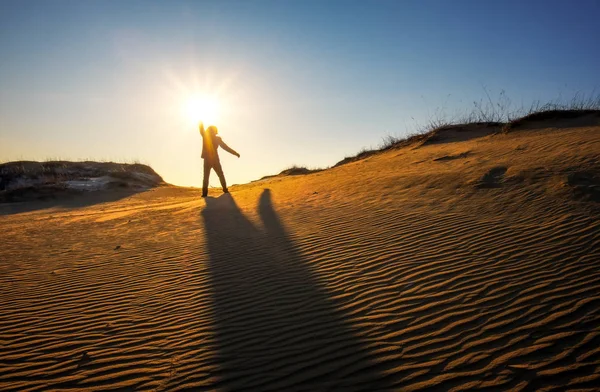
(452, 266)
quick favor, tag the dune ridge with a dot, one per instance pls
(29, 180)
(471, 264)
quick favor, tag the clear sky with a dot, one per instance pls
(298, 82)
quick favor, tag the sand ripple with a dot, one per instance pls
(284, 289)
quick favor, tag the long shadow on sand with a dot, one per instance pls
(276, 326)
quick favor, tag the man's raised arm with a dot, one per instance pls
(227, 148)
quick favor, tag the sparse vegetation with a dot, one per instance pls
(293, 170)
(298, 170)
(499, 116)
(552, 114)
(67, 169)
(24, 180)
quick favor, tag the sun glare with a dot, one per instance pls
(199, 108)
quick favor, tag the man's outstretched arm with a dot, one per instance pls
(202, 129)
(227, 148)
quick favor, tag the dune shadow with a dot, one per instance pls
(276, 326)
(66, 200)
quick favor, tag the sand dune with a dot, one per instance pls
(468, 264)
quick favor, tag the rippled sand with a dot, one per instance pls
(464, 264)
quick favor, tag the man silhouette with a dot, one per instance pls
(210, 143)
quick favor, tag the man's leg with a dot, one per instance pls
(219, 171)
(207, 167)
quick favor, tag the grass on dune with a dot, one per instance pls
(499, 115)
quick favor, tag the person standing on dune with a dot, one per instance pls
(210, 143)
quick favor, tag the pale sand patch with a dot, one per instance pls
(453, 266)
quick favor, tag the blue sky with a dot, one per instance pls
(300, 82)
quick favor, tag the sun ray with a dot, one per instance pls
(200, 96)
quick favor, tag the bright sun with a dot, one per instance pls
(203, 108)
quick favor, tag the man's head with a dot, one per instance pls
(212, 130)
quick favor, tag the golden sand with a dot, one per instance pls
(469, 263)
